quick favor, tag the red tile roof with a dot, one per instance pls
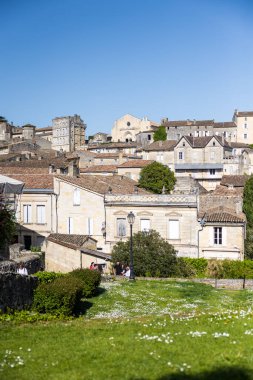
(100, 169)
(135, 164)
(32, 181)
(100, 184)
(234, 180)
(69, 240)
(223, 215)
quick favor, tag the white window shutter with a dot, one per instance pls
(145, 225)
(90, 226)
(76, 200)
(173, 229)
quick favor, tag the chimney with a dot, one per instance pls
(51, 169)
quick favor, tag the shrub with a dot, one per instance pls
(153, 255)
(90, 280)
(215, 269)
(46, 277)
(199, 266)
(59, 297)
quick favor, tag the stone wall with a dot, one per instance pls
(16, 291)
(33, 264)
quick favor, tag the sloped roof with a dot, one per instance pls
(224, 124)
(10, 170)
(69, 240)
(234, 180)
(113, 145)
(223, 215)
(102, 184)
(100, 169)
(188, 122)
(135, 163)
(201, 142)
(244, 113)
(167, 145)
(31, 181)
(239, 145)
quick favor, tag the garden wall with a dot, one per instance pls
(16, 291)
(33, 264)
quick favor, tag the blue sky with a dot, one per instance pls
(102, 59)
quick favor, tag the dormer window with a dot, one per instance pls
(183, 143)
(128, 123)
(213, 143)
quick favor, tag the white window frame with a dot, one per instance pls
(121, 226)
(180, 155)
(90, 226)
(174, 229)
(76, 197)
(145, 225)
(27, 214)
(217, 236)
(41, 214)
(245, 136)
(212, 155)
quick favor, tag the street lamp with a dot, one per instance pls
(202, 222)
(130, 219)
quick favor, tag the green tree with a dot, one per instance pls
(160, 134)
(157, 177)
(7, 225)
(153, 256)
(248, 210)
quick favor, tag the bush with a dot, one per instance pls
(59, 297)
(153, 255)
(90, 280)
(46, 277)
(199, 266)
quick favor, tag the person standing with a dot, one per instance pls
(22, 269)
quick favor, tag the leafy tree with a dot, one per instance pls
(157, 177)
(248, 210)
(153, 256)
(7, 225)
(160, 134)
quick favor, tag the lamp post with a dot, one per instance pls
(202, 222)
(130, 219)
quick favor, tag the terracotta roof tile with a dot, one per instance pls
(225, 124)
(32, 181)
(113, 145)
(184, 123)
(244, 113)
(167, 145)
(69, 240)
(102, 184)
(223, 215)
(234, 180)
(135, 164)
(19, 170)
(201, 142)
(100, 169)
(227, 191)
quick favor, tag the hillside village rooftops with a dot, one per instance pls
(100, 169)
(32, 181)
(222, 215)
(225, 124)
(10, 170)
(244, 113)
(100, 184)
(70, 240)
(135, 163)
(201, 142)
(239, 145)
(234, 180)
(167, 145)
(113, 145)
(227, 191)
(188, 122)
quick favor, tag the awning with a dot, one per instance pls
(10, 186)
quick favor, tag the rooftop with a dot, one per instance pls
(223, 215)
(100, 169)
(234, 180)
(32, 181)
(167, 145)
(135, 163)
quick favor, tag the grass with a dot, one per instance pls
(138, 331)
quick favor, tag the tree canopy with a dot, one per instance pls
(160, 134)
(7, 225)
(157, 177)
(153, 256)
(248, 210)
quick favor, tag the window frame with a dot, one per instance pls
(218, 236)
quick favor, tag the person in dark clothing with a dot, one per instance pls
(118, 268)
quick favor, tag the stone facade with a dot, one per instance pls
(128, 126)
(68, 133)
(244, 130)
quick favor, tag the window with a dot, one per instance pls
(76, 197)
(212, 155)
(245, 118)
(121, 227)
(245, 125)
(180, 155)
(27, 213)
(149, 137)
(212, 171)
(245, 136)
(41, 214)
(173, 229)
(213, 143)
(70, 225)
(217, 235)
(183, 143)
(90, 226)
(145, 225)
(160, 156)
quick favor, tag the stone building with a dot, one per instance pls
(128, 126)
(68, 133)
(244, 123)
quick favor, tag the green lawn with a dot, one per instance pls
(143, 330)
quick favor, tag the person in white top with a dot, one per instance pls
(22, 270)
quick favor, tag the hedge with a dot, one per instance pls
(90, 280)
(59, 297)
(220, 268)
